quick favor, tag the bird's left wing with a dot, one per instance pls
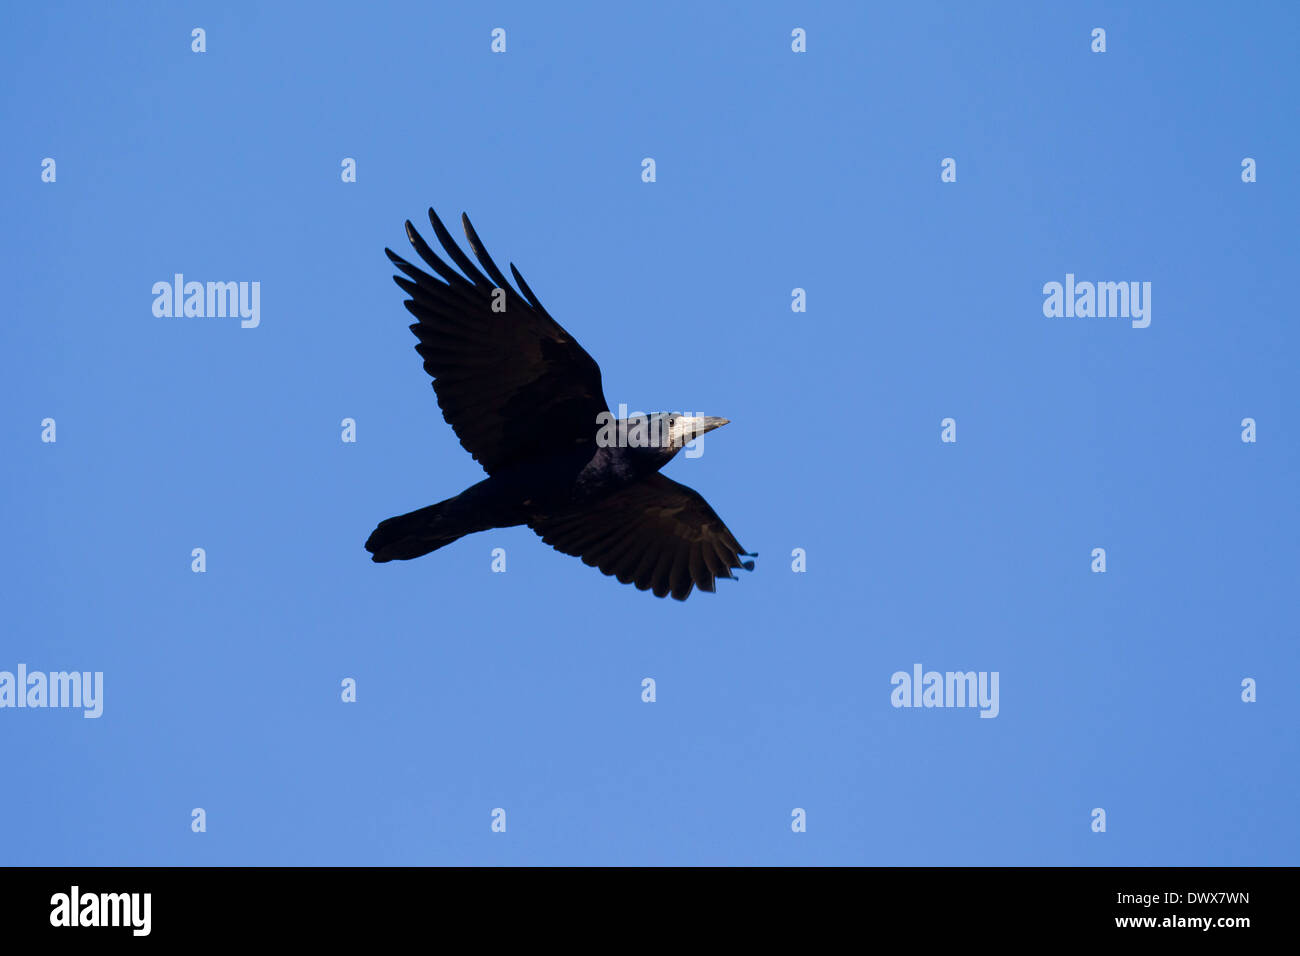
(655, 533)
(509, 379)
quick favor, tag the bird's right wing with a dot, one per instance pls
(654, 533)
(512, 383)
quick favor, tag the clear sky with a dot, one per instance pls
(775, 171)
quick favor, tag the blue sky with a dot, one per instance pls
(775, 170)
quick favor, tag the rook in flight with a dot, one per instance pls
(526, 401)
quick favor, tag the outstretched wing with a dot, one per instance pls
(513, 384)
(655, 533)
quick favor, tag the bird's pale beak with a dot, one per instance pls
(686, 429)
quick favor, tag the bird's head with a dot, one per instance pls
(669, 433)
(659, 436)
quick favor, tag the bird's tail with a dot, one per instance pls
(411, 535)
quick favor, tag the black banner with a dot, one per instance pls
(201, 905)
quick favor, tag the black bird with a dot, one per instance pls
(526, 401)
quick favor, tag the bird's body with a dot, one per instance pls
(526, 401)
